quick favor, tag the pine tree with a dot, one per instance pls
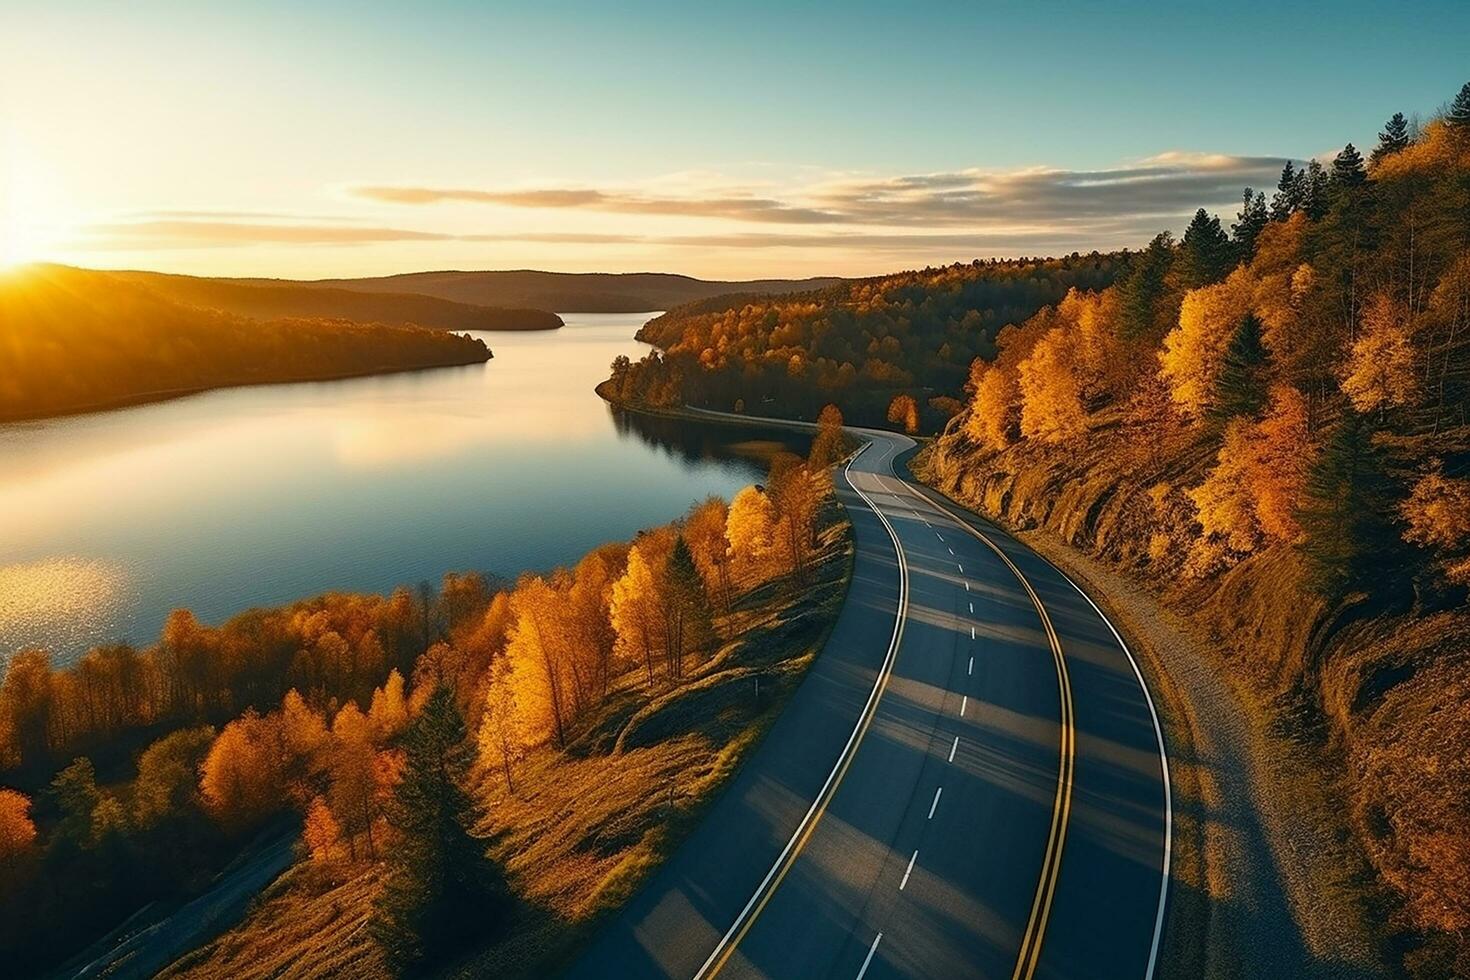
(1240, 388)
(1457, 116)
(690, 626)
(1204, 254)
(440, 887)
(1249, 223)
(1347, 169)
(1393, 139)
(1314, 191)
(1288, 197)
(1142, 288)
(1348, 534)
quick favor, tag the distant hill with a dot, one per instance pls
(565, 292)
(269, 299)
(74, 340)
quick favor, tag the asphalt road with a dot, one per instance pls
(970, 782)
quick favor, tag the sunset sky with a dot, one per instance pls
(335, 139)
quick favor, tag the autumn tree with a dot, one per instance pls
(636, 608)
(1051, 399)
(1252, 494)
(750, 529)
(539, 662)
(904, 411)
(1194, 351)
(27, 705)
(796, 492)
(440, 888)
(995, 417)
(388, 713)
(829, 444)
(1382, 366)
(500, 737)
(242, 779)
(17, 831)
(1437, 516)
(320, 831)
(353, 789)
(704, 530)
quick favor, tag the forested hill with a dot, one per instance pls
(74, 340)
(1271, 429)
(565, 292)
(267, 300)
(857, 343)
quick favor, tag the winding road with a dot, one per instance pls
(970, 782)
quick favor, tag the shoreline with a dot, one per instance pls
(159, 395)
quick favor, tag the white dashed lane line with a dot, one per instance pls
(972, 666)
(908, 871)
(869, 958)
(953, 747)
(964, 703)
(933, 806)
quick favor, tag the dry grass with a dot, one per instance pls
(584, 828)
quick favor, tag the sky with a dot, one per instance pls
(719, 140)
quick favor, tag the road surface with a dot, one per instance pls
(971, 781)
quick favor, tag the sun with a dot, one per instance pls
(30, 210)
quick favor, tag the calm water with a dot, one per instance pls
(257, 496)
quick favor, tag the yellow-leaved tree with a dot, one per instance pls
(1194, 351)
(1380, 370)
(1051, 397)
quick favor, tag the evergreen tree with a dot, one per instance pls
(1314, 191)
(1240, 388)
(1394, 138)
(440, 888)
(1141, 291)
(1288, 197)
(1253, 217)
(1205, 255)
(1457, 116)
(690, 626)
(1347, 531)
(1347, 169)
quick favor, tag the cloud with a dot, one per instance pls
(1129, 197)
(736, 207)
(1037, 210)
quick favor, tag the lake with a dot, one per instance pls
(258, 496)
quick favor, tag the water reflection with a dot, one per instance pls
(257, 496)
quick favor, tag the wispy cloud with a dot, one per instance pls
(957, 213)
(738, 208)
(1158, 187)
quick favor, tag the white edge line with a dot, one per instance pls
(1148, 697)
(883, 672)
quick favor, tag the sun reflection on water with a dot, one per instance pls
(53, 601)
